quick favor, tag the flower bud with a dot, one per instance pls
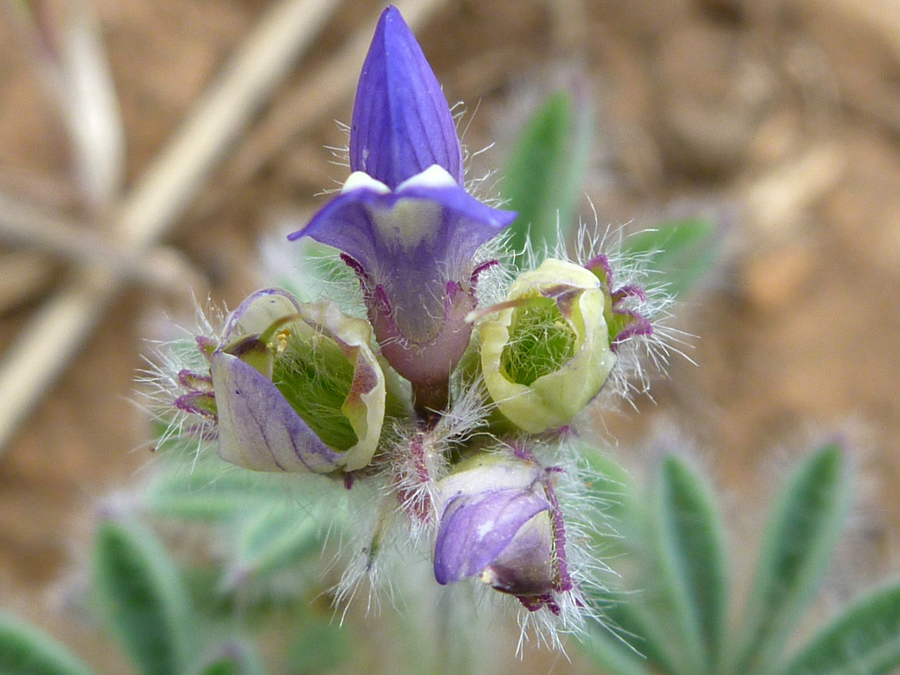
(545, 351)
(297, 387)
(499, 522)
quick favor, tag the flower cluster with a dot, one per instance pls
(457, 408)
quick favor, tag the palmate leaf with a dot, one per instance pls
(26, 650)
(142, 595)
(542, 179)
(797, 546)
(864, 640)
(636, 635)
(692, 565)
(679, 251)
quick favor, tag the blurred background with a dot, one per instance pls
(147, 146)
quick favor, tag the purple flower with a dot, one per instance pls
(291, 387)
(403, 220)
(500, 521)
(401, 122)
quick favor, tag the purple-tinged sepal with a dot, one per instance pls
(258, 428)
(413, 250)
(624, 322)
(401, 121)
(291, 387)
(499, 521)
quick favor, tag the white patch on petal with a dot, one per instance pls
(435, 176)
(360, 179)
(485, 529)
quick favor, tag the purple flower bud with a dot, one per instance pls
(401, 121)
(403, 221)
(500, 522)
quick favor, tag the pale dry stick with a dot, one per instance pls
(63, 40)
(27, 225)
(24, 275)
(310, 101)
(52, 338)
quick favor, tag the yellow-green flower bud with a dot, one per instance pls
(545, 351)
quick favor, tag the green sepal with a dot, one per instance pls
(864, 640)
(692, 563)
(797, 546)
(679, 252)
(27, 650)
(542, 179)
(143, 598)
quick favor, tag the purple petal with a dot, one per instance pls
(525, 567)
(258, 429)
(475, 530)
(401, 121)
(412, 242)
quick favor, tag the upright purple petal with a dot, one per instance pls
(411, 242)
(401, 121)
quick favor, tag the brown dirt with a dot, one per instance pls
(779, 118)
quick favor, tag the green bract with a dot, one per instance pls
(545, 352)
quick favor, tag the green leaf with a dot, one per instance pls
(273, 539)
(681, 251)
(611, 653)
(542, 179)
(234, 658)
(143, 596)
(609, 486)
(211, 492)
(638, 624)
(797, 546)
(693, 564)
(26, 650)
(320, 646)
(864, 640)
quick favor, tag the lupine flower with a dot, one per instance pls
(301, 386)
(292, 387)
(499, 521)
(545, 350)
(404, 221)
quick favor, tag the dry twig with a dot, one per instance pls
(56, 333)
(29, 226)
